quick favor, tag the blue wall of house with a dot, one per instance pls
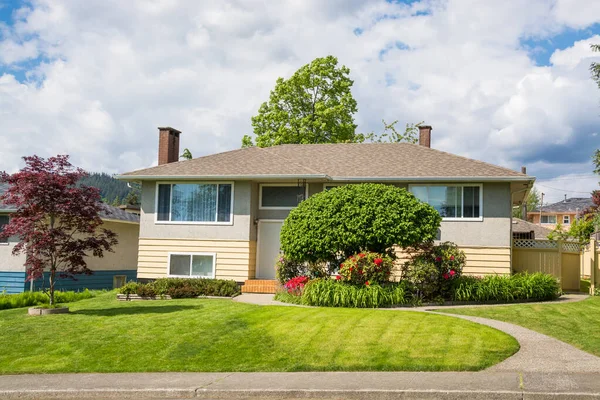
(12, 282)
(99, 280)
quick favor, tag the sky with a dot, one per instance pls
(503, 82)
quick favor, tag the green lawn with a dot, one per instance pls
(104, 335)
(575, 323)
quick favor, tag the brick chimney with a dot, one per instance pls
(425, 135)
(168, 145)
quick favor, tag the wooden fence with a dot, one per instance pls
(590, 264)
(558, 258)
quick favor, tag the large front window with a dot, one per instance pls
(193, 265)
(451, 201)
(195, 202)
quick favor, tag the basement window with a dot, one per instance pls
(192, 265)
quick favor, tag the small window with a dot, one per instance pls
(566, 219)
(329, 186)
(451, 201)
(196, 265)
(548, 219)
(119, 281)
(3, 222)
(281, 197)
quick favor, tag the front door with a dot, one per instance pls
(268, 248)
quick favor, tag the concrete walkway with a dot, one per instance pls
(294, 385)
(538, 353)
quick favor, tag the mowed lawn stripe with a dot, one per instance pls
(105, 335)
(575, 323)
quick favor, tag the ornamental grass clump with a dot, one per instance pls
(331, 293)
(366, 268)
(506, 289)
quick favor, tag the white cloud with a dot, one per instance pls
(116, 70)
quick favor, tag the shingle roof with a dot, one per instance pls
(336, 161)
(522, 226)
(572, 205)
(107, 213)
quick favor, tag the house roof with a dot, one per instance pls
(572, 205)
(343, 161)
(522, 226)
(109, 213)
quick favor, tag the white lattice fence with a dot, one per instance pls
(534, 244)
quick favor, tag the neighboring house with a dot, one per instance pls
(112, 270)
(528, 230)
(563, 212)
(220, 216)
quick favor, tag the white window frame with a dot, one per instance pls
(547, 216)
(260, 187)
(567, 218)
(461, 185)
(156, 221)
(192, 254)
(7, 239)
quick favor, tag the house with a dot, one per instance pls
(220, 216)
(528, 230)
(112, 270)
(563, 212)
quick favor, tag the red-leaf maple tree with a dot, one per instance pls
(57, 222)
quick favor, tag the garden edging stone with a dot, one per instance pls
(37, 311)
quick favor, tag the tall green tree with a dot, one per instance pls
(533, 202)
(315, 105)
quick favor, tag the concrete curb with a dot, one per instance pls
(282, 394)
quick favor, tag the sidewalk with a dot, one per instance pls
(321, 385)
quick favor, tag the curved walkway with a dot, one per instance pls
(538, 352)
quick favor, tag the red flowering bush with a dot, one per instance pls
(366, 268)
(433, 268)
(296, 285)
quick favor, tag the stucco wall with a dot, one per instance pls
(240, 230)
(494, 230)
(8, 262)
(125, 252)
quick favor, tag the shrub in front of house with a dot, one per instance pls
(332, 293)
(433, 269)
(330, 226)
(179, 288)
(366, 267)
(505, 289)
(286, 269)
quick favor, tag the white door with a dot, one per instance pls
(267, 248)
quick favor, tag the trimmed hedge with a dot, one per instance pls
(330, 293)
(30, 299)
(518, 287)
(179, 288)
(334, 224)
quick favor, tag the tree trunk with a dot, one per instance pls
(52, 277)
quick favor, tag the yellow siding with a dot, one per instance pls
(235, 259)
(480, 260)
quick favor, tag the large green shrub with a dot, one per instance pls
(353, 218)
(331, 293)
(433, 268)
(495, 288)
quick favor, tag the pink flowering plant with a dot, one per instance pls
(366, 268)
(296, 285)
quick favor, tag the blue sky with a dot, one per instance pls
(503, 82)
